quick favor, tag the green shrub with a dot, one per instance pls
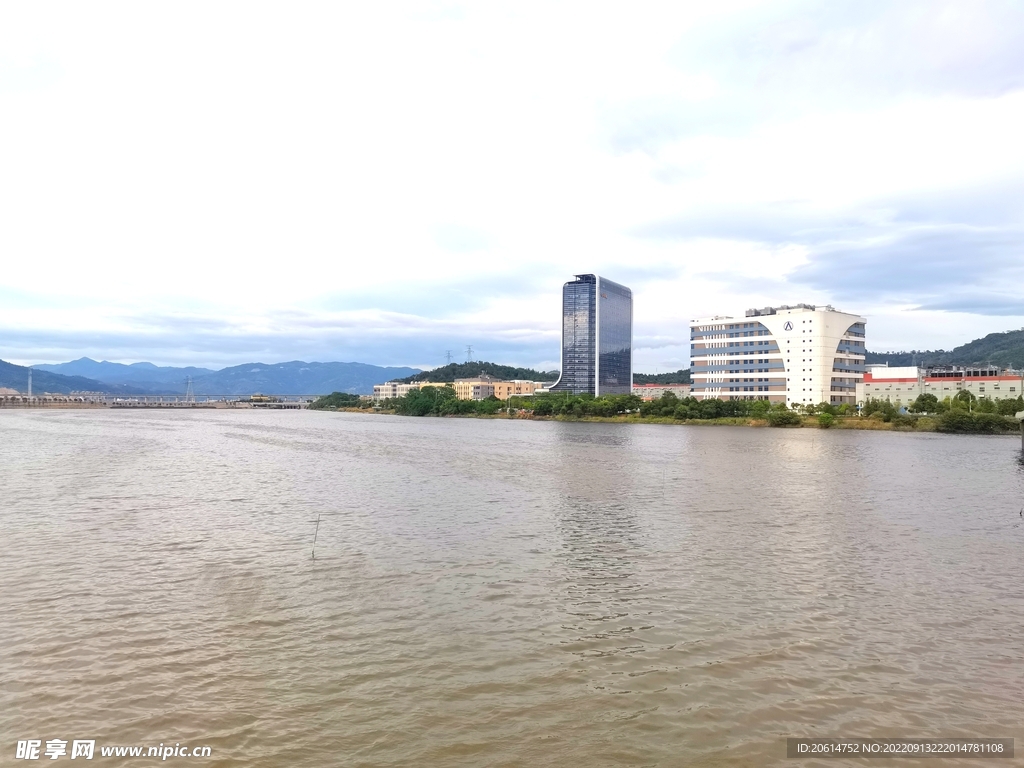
(874, 407)
(1010, 406)
(925, 403)
(543, 407)
(902, 421)
(758, 409)
(985, 405)
(782, 418)
(955, 420)
(959, 421)
(993, 423)
(337, 400)
(826, 420)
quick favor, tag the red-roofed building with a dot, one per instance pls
(901, 386)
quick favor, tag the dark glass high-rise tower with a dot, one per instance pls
(597, 337)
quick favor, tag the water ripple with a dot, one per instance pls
(492, 593)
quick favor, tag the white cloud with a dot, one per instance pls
(311, 176)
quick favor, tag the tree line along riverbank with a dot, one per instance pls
(962, 415)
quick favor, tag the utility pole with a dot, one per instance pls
(30, 382)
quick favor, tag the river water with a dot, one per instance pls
(501, 593)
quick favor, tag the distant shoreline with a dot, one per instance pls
(864, 423)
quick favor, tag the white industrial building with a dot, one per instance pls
(902, 385)
(392, 389)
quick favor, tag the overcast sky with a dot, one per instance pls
(217, 183)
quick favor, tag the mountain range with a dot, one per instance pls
(300, 378)
(291, 378)
(297, 378)
(143, 376)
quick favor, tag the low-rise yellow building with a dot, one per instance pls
(483, 386)
(503, 390)
(478, 388)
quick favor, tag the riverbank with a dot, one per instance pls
(901, 424)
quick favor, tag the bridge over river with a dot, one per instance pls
(268, 402)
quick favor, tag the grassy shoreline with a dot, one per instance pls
(919, 424)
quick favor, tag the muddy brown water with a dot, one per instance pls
(492, 593)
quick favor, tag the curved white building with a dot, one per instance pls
(792, 354)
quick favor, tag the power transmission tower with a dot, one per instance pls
(190, 395)
(469, 353)
(448, 356)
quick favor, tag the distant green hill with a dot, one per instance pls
(682, 376)
(1003, 349)
(454, 371)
